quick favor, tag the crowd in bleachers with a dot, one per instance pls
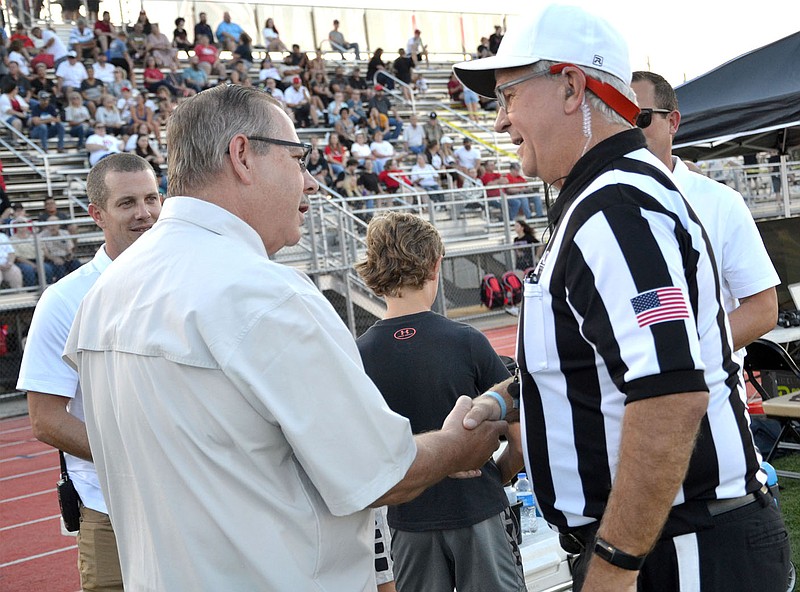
(112, 88)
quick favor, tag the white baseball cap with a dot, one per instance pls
(565, 34)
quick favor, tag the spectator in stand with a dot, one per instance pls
(13, 107)
(514, 177)
(372, 66)
(144, 149)
(40, 81)
(297, 58)
(100, 144)
(360, 150)
(377, 121)
(425, 176)
(25, 252)
(491, 178)
(318, 87)
(46, 122)
(414, 135)
(433, 155)
(176, 79)
(228, 33)
(208, 55)
(334, 108)
(483, 50)
(125, 103)
(51, 210)
(298, 99)
(9, 272)
(380, 101)
(433, 129)
(82, 40)
(115, 88)
(70, 74)
(339, 43)
(420, 83)
(142, 113)
(160, 48)
(203, 28)
(196, 77)
(268, 70)
(271, 88)
(391, 177)
(103, 70)
(119, 56)
(137, 132)
(77, 117)
(137, 43)
(110, 117)
(57, 250)
(370, 184)
(467, 157)
(448, 158)
(244, 50)
(21, 34)
(92, 90)
(382, 150)
(495, 39)
(525, 237)
(180, 37)
(240, 75)
(272, 40)
(472, 103)
(345, 127)
(70, 9)
(416, 49)
(53, 50)
(402, 67)
(104, 32)
(318, 168)
(144, 22)
(355, 81)
(23, 85)
(17, 54)
(335, 153)
(154, 77)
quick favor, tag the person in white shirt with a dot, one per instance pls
(467, 157)
(103, 70)
(70, 74)
(9, 272)
(202, 391)
(298, 100)
(414, 135)
(382, 150)
(124, 202)
(100, 144)
(51, 44)
(271, 88)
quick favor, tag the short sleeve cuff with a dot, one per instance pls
(668, 383)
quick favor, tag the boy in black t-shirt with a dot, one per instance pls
(458, 533)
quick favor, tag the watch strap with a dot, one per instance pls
(614, 556)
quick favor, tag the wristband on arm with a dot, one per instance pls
(500, 401)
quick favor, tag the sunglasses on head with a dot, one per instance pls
(645, 117)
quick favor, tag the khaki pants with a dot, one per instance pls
(98, 560)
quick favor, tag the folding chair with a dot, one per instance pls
(767, 365)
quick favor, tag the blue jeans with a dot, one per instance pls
(80, 131)
(515, 204)
(537, 205)
(44, 131)
(395, 131)
(342, 48)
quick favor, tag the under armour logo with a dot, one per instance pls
(406, 333)
(597, 61)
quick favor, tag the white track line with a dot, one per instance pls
(28, 474)
(32, 557)
(29, 456)
(29, 522)
(27, 495)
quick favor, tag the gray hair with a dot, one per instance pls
(596, 102)
(124, 162)
(202, 127)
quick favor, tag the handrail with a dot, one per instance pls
(22, 157)
(393, 92)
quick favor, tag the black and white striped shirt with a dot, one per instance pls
(624, 306)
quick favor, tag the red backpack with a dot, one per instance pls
(512, 287)
(491, 292)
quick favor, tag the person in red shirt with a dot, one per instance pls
(520, 204)
(492, 179)
(104, 32)
(209, 57)
(22, 35)
(389, 171)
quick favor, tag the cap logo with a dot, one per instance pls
(406, 333)
(597, 61)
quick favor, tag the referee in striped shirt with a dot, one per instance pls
(635, 425)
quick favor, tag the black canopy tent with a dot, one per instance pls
(747, 105)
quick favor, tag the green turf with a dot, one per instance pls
(790, 502)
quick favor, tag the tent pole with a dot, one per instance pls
(787, 210)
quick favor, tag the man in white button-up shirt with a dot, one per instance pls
(238, 441)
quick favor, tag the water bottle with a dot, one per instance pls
(772, 480)
(527, 513)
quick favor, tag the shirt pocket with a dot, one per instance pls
(534, 329)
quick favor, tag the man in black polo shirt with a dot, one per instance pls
(636, 425)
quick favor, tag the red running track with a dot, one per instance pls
(34, 555)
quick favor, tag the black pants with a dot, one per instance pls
(746, 550)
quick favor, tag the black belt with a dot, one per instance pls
(717, 507)
(581, 538)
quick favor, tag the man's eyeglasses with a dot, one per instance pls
(304, 145)
(645, 117)
(500, 91)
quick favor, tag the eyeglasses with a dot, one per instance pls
(645, 117)
(304, 145)
(500, 91)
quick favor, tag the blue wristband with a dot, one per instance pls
(500, 401)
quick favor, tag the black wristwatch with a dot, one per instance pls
(614, 556)
(513, 389)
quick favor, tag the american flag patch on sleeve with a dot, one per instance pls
(660, 305)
